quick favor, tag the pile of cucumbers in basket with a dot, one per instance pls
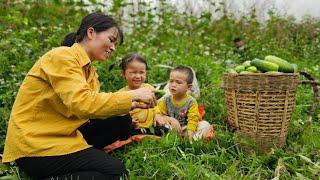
(270, 64)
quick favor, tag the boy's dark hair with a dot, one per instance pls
(237, 39)
(186, 70)
(99, 22)
(131, 57)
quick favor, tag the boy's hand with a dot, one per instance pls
(163, 120)
(160, 120)
(174, 124)
(190, 135)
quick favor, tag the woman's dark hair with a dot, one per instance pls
(187, 71)
(99, 22)
(132, 57)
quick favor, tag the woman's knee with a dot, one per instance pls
(82, 175)
(110, 166)
(118, 168)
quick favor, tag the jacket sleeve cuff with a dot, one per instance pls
(121, 104)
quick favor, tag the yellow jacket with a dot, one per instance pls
(58, 95)
(143, 117)
(192, 112)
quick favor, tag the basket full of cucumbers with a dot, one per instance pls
(260, 97)
(270, 65)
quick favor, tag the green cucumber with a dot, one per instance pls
(239, 68)
(159, 93)
(264, 66)
(246, 72)
(273, 72)
(284, 66)
(246, 63)
(295, 67)
(252, 69)
(232, 71)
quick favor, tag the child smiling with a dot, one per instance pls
(134, 69)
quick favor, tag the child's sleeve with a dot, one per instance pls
(161, 108)
(122, 89)
(156, 110)
(193, 117)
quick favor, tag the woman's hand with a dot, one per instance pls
(143, 98)
(141, 105)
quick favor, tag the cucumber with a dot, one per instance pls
(264, 66)
(246, 63)
(273, 72)
(240, 68)
(246, 72)
(232, 71)
(295, 67)
(252, 69)
(159, 93)
(284, 66)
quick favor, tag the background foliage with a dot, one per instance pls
(28, 29)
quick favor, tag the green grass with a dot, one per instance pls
(203, 43)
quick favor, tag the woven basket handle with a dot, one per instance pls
(315, 100)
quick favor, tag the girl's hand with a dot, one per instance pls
(144, 95)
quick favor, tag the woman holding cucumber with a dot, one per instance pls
(49, 133)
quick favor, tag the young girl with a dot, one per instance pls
(134, 69)
(181, 107)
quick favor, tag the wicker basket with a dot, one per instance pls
(259, 106)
